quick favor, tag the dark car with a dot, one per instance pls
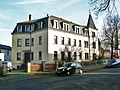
(113, 63)
(70, 68)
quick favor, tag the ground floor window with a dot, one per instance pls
(94, 56)
(55, 55)
(40, 55)
(86, 56)
(80, 55)
(69, 56)
(19, 56)
(75, 55)
(62, 55)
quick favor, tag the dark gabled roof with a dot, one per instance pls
(90, 23)
(27, 22)
(67, 21)
(31, 21)
(5, 47)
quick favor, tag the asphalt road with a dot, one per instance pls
(104, 79)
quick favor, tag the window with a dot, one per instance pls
(94, 45)
(36, 26)
(55, 55)
(80, 55)
(23, 28)
(86, 44)
(77, 29)
(62, 40)
(56, 24)
(40, 55)
(19, 56)
(32, 27)
(27, 42)
(69, 41)
(19, 28)
(94, 56)
(79, 43)
(65, 26)
(93, 34)
(27, 28)
(86, 56)
(40, 40)
(55, 39)
(74, 42)
(42, 24)
(19, 42)
(32, 42)
(75, 55)
(69, 56)
(62, 55)
(8, 53)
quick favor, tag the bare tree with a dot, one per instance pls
(69, 53)
(110, 34)
(99, 6)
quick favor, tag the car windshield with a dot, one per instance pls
(111, 60)
(67, 65)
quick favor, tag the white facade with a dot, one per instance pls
(55, 37)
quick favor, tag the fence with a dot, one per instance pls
(93, 62)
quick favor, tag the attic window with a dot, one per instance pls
(77, 29)
(19, 29)
(66, 26)
(42, 24)
(27, 28)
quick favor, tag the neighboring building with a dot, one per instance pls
(106, 53)
(5, 53)
(47, 39)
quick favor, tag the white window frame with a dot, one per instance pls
(55, 25)
(26, 28)
(41, 24)
(18, 28)
(77, 29)
(66, 25)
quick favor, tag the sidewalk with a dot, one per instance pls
(20, 75)
(17, 76)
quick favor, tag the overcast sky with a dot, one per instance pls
(14, 11)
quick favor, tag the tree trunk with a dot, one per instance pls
(112, 48)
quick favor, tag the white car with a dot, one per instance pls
(113, 63)
(9, 66)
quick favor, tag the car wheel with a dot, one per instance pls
(68, 73)
(80, 71)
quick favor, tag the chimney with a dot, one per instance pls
(29, 17)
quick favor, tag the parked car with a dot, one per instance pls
(9, 66)
(70, 68)
(113, 63)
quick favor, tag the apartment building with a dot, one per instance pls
(53, 39)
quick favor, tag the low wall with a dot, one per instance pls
(50, 66)
(36, 67)
(39, 67)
